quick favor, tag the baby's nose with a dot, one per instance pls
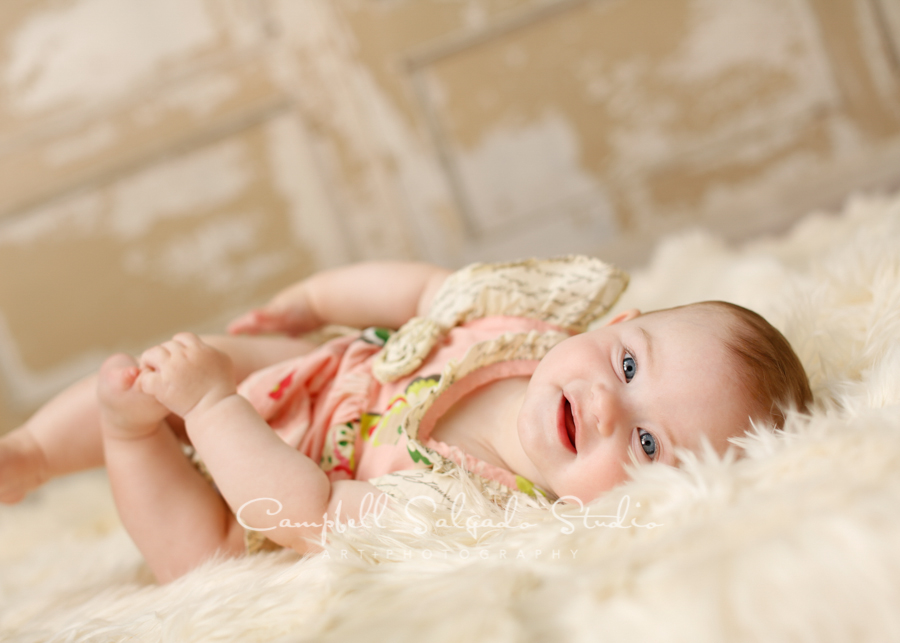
(608, 409)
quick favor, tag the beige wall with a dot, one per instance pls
(165, 164)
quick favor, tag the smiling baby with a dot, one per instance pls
(493, 372)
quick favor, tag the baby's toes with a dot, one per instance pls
(116, 378)
(120, 398)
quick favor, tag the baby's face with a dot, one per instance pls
(642, 384)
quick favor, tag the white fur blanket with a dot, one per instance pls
(798, 541)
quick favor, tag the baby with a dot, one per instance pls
(493, 371)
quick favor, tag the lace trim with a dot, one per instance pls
(568, 292)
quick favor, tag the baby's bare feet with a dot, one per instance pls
(23, 465)
(126, 412)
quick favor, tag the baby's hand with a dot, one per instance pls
(288, 312)
(185, 374)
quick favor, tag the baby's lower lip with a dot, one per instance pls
(561, 426)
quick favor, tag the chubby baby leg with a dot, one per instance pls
(64, 435)
(174, 516)
(23, 466)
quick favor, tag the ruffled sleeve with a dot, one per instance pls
(568, 292)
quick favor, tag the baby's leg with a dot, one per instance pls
(63, 436)
(173, 515)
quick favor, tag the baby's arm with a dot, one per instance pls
(382, 293)
(248, 461)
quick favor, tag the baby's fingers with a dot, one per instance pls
(243, 325)
(154, 357)
(255, 322)
(188, 340)
(149, 381)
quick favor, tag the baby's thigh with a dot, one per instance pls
(235, 542)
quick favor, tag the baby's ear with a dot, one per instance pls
(626, 315)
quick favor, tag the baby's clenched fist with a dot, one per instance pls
(185, 374)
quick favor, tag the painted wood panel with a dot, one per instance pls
(504, 129)
(180, 244)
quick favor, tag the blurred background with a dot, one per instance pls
(167, 164)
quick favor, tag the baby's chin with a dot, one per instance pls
(582, 496)
(581, 492)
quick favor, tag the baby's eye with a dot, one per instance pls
(648, 443)
(629, 367)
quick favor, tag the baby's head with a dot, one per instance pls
(773, 377)
(644, 385)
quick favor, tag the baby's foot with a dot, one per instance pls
(126, 412)
(23, 466)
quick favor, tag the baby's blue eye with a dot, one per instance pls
(648, 443)
(629, 367)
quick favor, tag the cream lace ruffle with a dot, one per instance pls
(569, 292)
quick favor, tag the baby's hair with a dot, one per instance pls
(772, 372)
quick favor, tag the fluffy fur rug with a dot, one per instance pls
(797, 541)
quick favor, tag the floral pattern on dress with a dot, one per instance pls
(388, 427)
(339, 455)
(339, 452)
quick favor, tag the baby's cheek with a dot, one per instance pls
(529, 411)
(602, 478)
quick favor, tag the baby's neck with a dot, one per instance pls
(483, 423)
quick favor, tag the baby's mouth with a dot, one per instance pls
(567, 425)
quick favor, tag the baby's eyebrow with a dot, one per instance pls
(648, 340)
(667, 434)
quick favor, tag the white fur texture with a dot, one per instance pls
(796, 541)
